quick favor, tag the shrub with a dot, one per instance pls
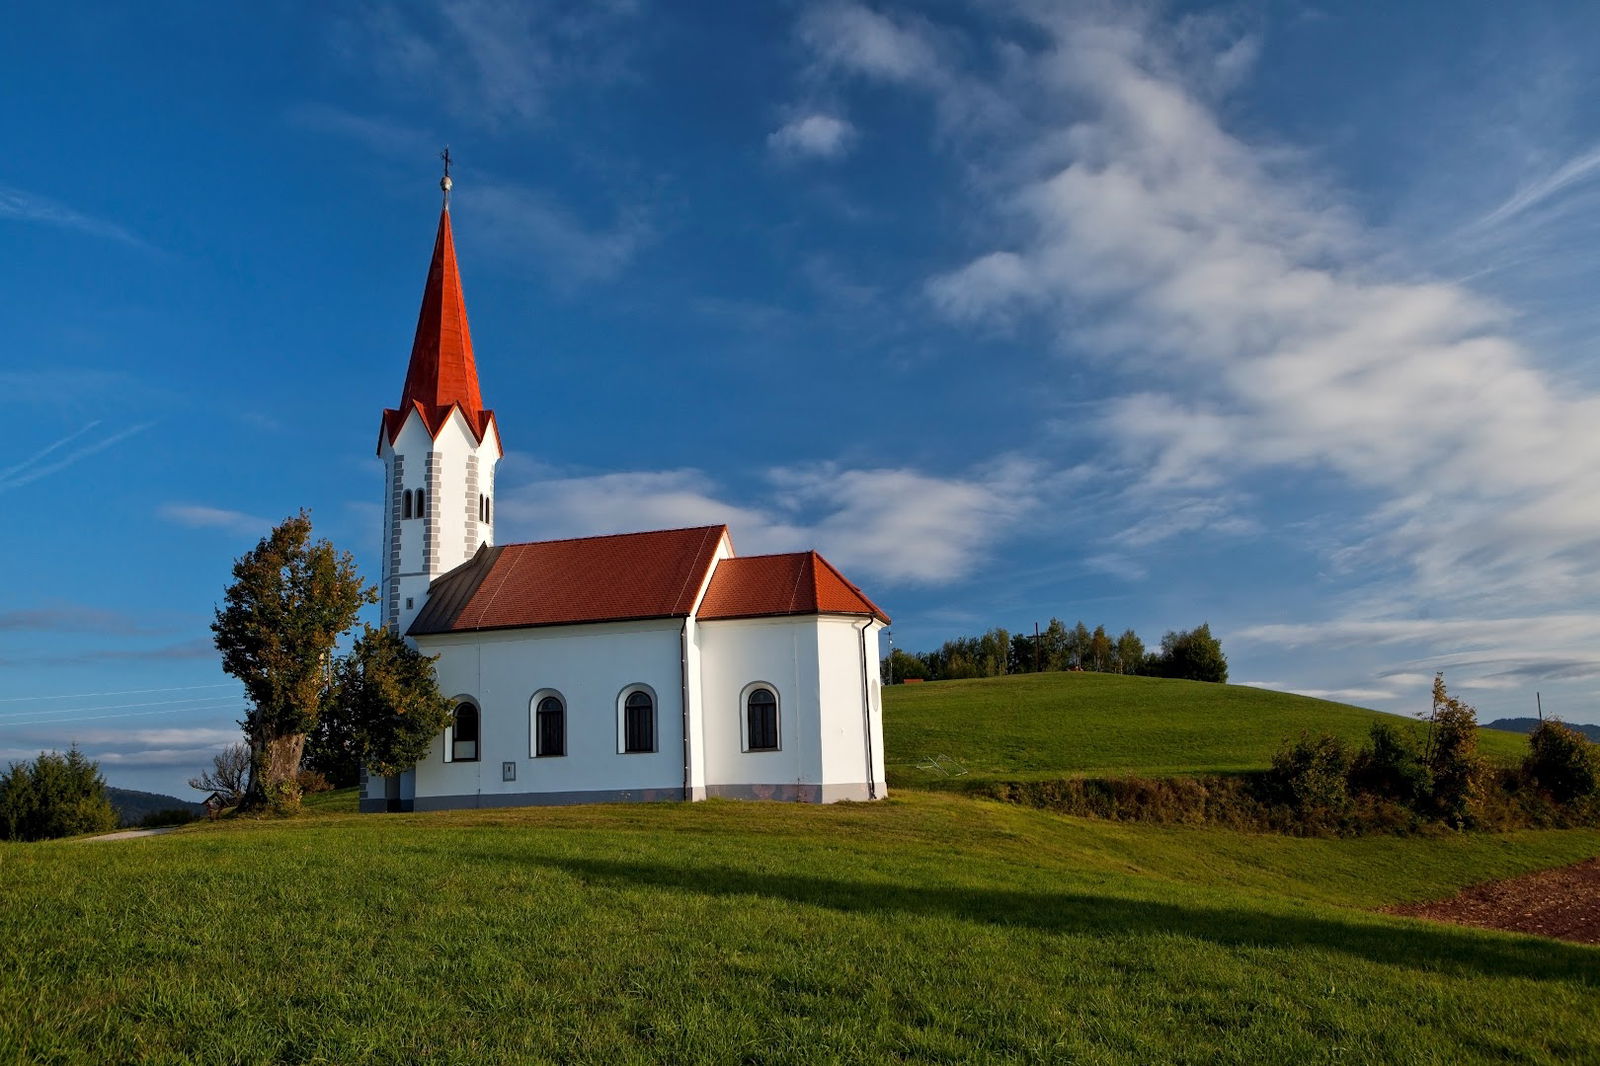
(312, 781)
(170, 816)
(54, 796)
(1459, 772)
(1390, 767)
(1562, 762)
(1310, 776)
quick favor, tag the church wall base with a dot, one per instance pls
(786, 793)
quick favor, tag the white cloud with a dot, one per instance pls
(1225, 278)
(818, 135)
(892, 525)
(25, 206)
(519, 223)
(855, 39)
(491, 61)
(199, 516)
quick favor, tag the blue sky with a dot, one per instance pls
(1273, 315)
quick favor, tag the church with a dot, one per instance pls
(622, 668)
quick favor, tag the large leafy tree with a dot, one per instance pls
(1193, 654)
(387, 695)
(54, 796)
(290, 601)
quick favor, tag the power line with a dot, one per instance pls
(117, 692)
(102, 717)
(122, 706)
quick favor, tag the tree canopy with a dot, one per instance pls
(290, 601)
(388, 700)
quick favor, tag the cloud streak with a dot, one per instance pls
(23, 206)
(41, 464)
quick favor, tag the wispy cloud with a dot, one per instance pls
(23, 206)
(379, 135)
(72, 618)
(62, 453)
(200, 516)
(1240, 300)
(815, 135)
(1580, 168)
(852, 38)
(491, 61)
(520, 223)
(894, 525)
(198, 648)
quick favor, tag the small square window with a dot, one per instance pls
(508, 771)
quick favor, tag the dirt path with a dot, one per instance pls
(1563, 903)
(129, 834)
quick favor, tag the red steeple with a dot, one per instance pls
(442, 374)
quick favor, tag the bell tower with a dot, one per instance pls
(439, 447)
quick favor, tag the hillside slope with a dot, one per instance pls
(928, 928)
(1035, 726)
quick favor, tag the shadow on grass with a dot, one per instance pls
(1392, 943)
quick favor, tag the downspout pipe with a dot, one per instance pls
(683, 675)
(866, 713)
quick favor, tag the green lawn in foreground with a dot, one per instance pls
(1034, 726)
(928, 928)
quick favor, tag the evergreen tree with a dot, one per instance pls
(54, 796)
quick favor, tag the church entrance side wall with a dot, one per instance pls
(589, 667)
(736, 655)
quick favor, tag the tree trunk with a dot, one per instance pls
(277, 762)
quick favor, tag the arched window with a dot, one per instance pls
(638, 722)
(761, 720)
(405, 510)
(488, 508)
(422, 502)
(550, 727)
(464, 734)
(480, 507)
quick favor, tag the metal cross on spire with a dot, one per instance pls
(445, 183)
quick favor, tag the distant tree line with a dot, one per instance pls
(1194, 654)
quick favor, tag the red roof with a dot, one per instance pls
(618, 578)
(442, 375)
(757, 586)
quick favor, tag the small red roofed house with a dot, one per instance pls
(629, 667)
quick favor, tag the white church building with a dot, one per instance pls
(629, 667)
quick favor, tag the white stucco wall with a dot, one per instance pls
(851, 735)
(589, 666)
(450, 505)
(781, 652)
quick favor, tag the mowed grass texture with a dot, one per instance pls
(1037, 726)
(928, 928)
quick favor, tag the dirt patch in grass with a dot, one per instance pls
(1563, 903)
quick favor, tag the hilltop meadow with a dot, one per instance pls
(933, 927)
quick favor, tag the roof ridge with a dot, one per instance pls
(610, 536)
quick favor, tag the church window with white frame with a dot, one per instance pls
(761, 718)
(638, 720)
(549, 725)
(463, 738)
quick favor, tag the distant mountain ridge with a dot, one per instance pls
(132, 805)
(1526, 725)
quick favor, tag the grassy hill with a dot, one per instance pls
(1036, 726)
(927, 928)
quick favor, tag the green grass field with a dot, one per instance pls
(1061, 724)
(928, 928)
